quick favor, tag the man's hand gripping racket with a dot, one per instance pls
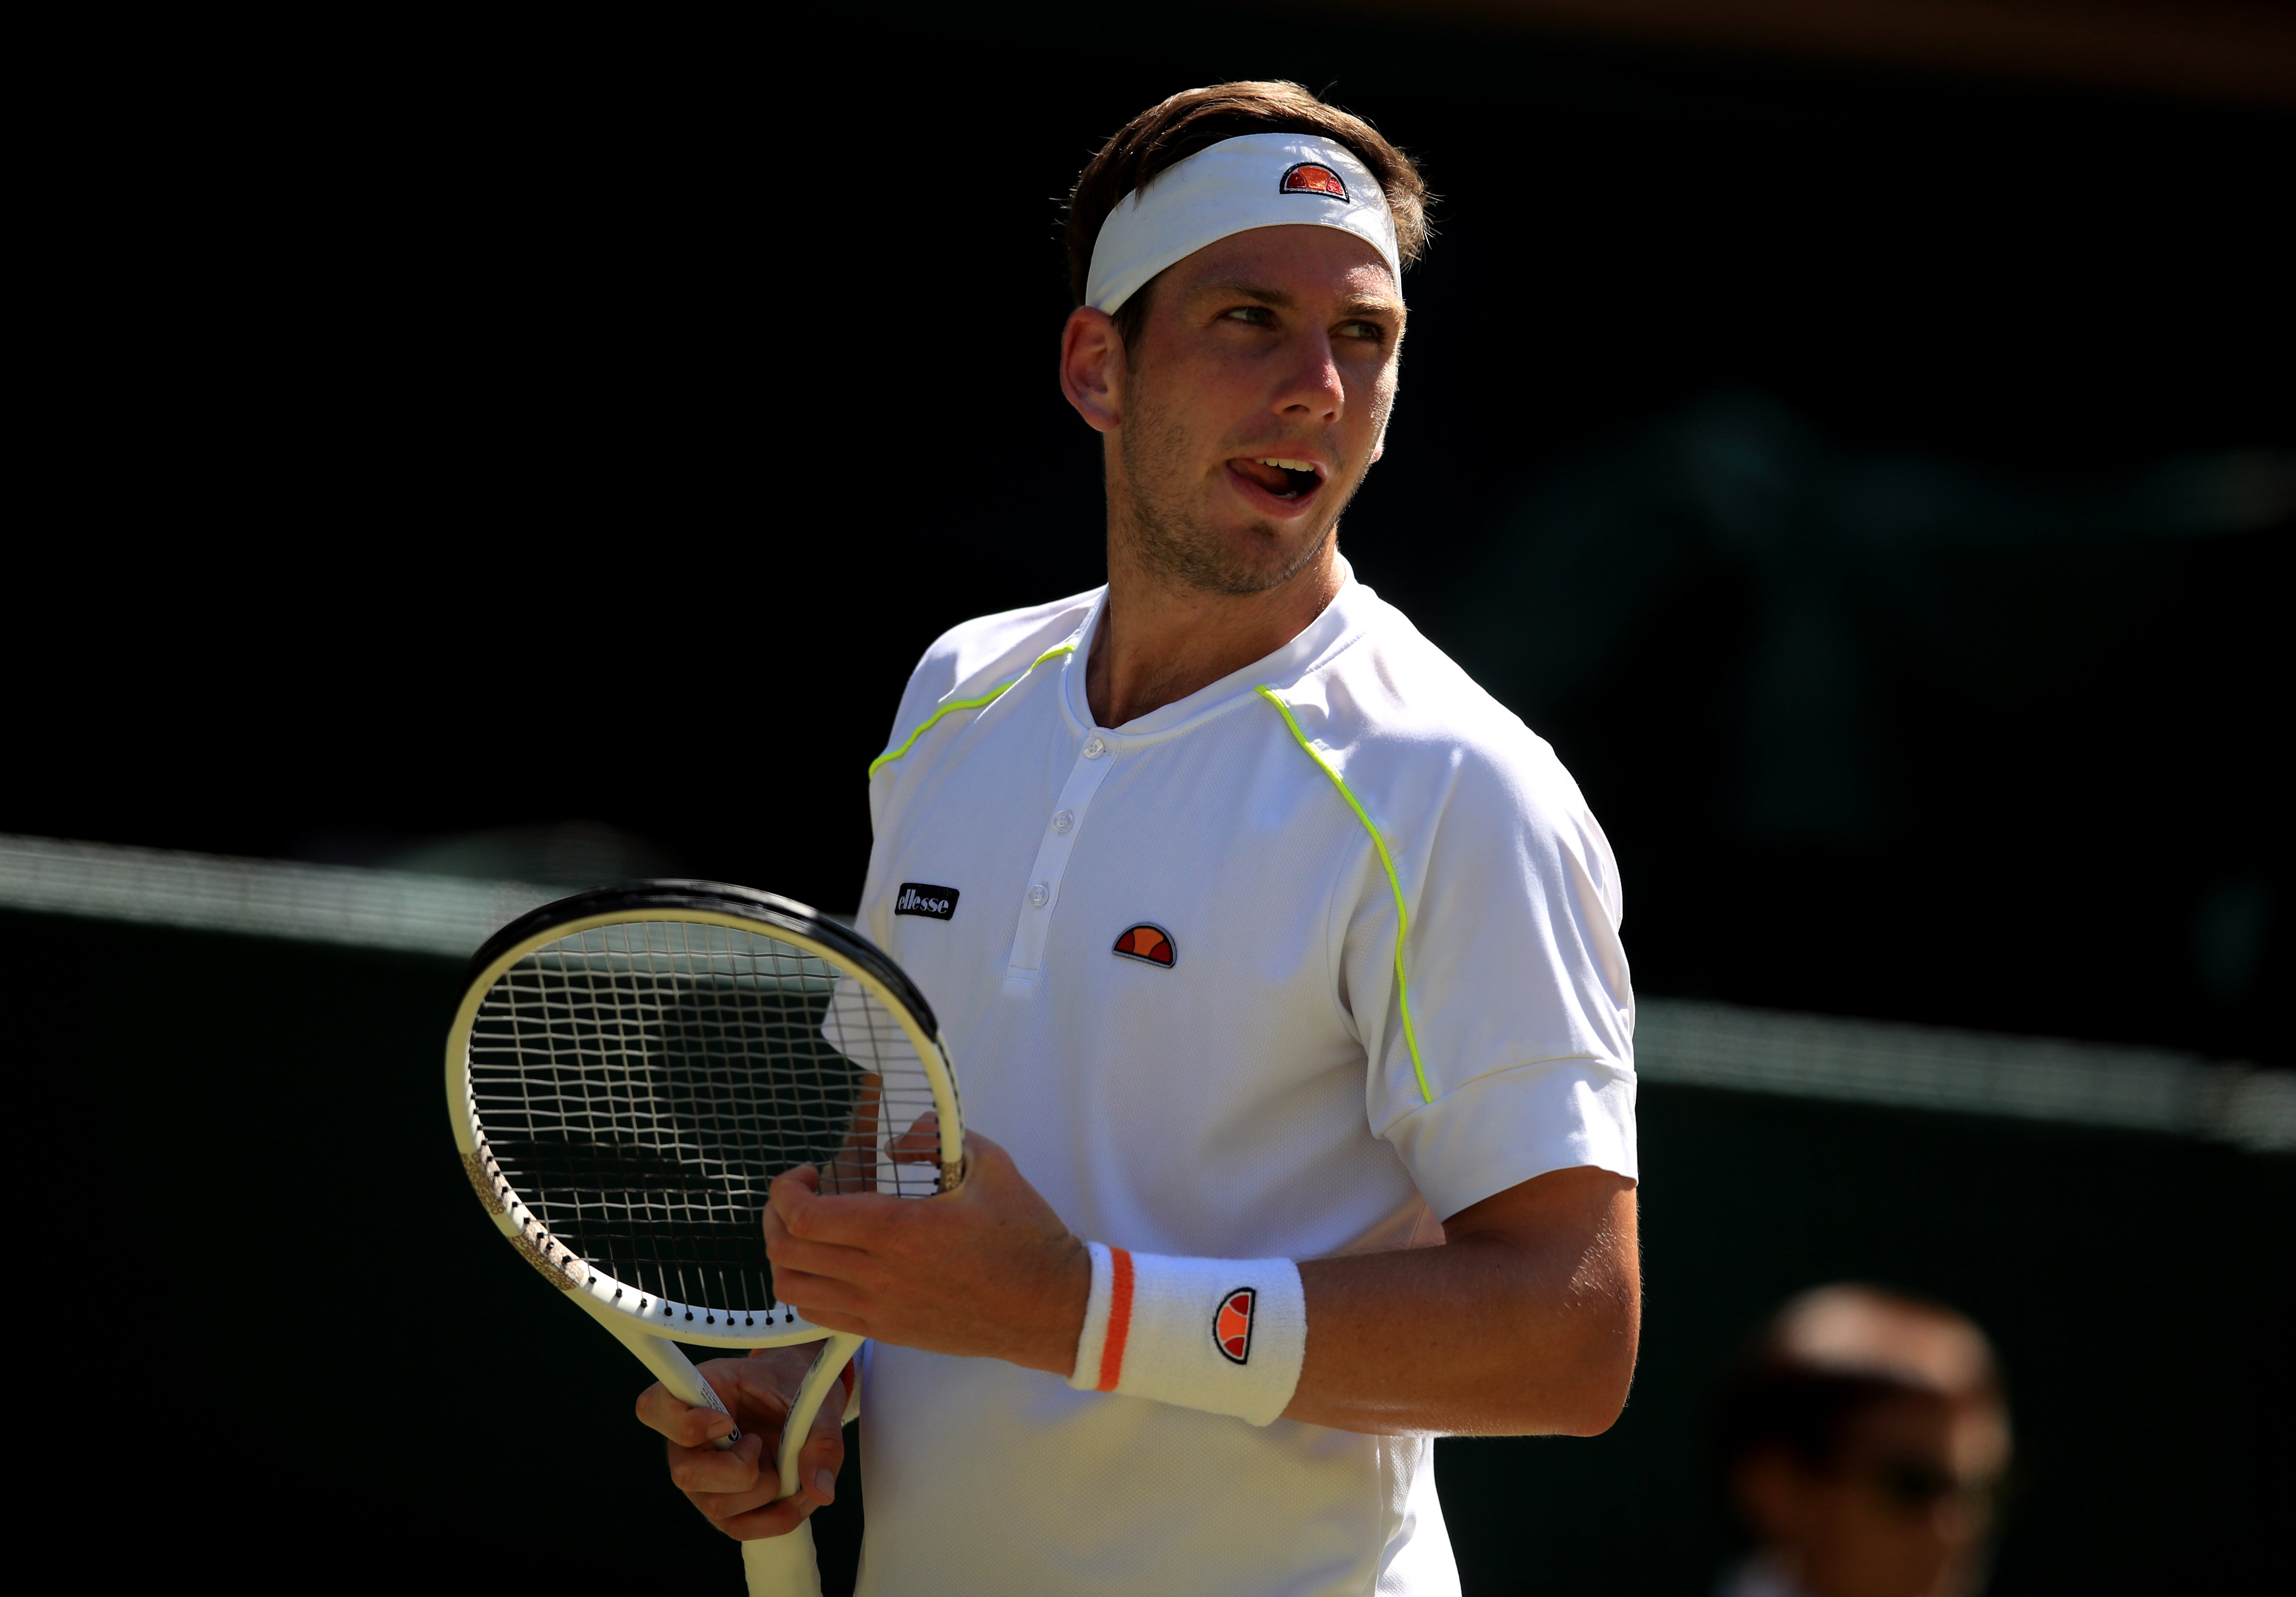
(628, 1071)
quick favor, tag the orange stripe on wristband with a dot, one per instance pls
(1119, 1318)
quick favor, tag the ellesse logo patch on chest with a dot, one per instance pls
(923, 898)
(1231, 1325)
(1151, 944)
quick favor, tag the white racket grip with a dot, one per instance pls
(783, 1566)
(677, 1373)
(828, 1364)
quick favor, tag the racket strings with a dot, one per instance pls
(641, 1085)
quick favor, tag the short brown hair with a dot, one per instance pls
(1167, 134)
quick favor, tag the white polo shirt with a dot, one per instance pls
(1240, 1081)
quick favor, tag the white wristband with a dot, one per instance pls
(1224, 1335)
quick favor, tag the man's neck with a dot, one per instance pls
(1159, 641)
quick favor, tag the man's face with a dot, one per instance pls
(1904, 1511)
(1254, 402)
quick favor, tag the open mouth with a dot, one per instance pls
(1280, 476)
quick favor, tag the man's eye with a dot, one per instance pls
(1362, 330)
(1259, 316)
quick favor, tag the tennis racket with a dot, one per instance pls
(631, 1067)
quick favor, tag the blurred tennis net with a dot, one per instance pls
(1678, 1042)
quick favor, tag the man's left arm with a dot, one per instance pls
(1523, 1323)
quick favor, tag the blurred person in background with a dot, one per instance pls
(1864, 1443)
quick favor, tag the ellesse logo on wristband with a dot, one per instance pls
(1232, 1326)
(923, 898)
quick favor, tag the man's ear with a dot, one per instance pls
(1092, 368)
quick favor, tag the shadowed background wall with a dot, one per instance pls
(1873, 483)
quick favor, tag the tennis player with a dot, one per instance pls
(1280, 960)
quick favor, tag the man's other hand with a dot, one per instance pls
(736, 1489)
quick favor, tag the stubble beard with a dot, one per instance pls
(1172, 543)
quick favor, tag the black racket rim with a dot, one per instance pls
(770, 910)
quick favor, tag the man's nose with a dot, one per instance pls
(1313, 386)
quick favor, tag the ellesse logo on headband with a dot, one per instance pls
(923, 898)
(1309, 178)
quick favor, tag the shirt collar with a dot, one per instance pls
(1342, 621)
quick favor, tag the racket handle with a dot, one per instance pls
(819, 1381)
(783, 1566)
(677, 1373)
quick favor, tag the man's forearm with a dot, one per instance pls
(1523, 1323)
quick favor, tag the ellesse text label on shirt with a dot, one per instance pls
(923, 898)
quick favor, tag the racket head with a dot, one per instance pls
(630, 1066)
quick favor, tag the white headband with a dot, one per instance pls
(1260, 180)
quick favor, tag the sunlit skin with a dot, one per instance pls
(1282, 342)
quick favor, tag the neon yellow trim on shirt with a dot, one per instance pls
(1394, 884)
(886, 758)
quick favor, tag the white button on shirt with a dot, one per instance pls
(1274, 1090)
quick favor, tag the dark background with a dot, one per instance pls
(1877, 485)
(545, 455)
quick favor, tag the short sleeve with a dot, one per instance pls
(1503, 1046)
